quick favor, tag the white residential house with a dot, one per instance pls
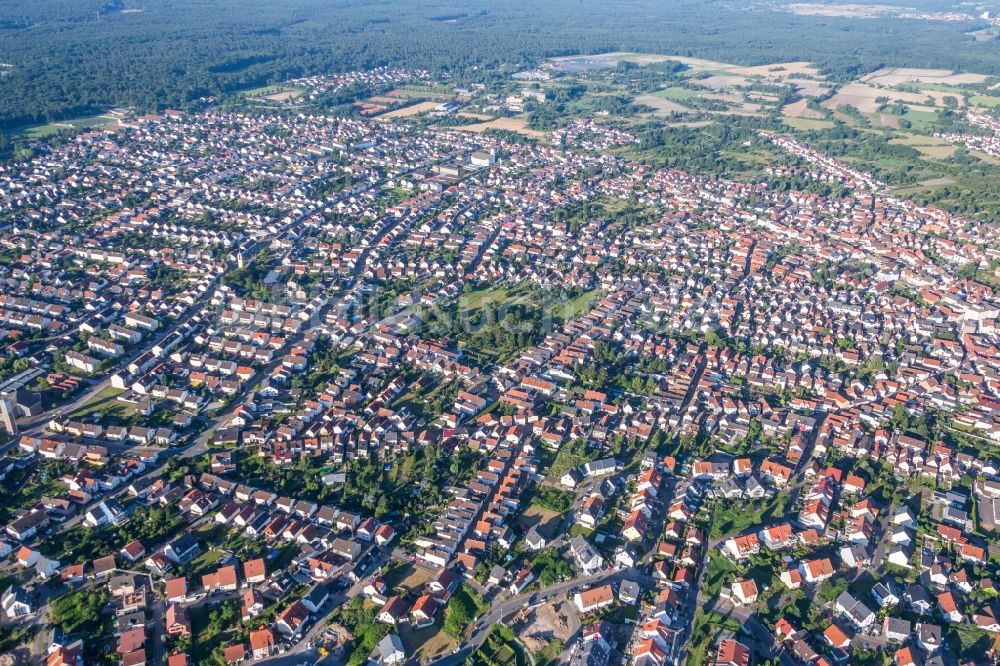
(15, 603)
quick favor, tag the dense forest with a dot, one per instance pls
(66, 58)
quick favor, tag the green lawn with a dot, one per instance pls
(263, 91)
(730, 518)
(476, 299)
(707, 630)
(210, 531)
(212, 627)
(967, 642)
(677, 94)
(565, 310)
(984, 100)
(500, 649)
(420, 92)
(48, 129)
(721, 570)
(806, 124)
(105, 403)
(922, 120)
(23, 487)
(943, 87)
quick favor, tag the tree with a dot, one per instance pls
(553, 499)
(457, 615)
(81, 611)
(550, 567)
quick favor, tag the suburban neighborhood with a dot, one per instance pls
(286, 387)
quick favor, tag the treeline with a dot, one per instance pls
(74, 57)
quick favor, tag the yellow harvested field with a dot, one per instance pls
(509, 124)
(918, 140)
(779, 70)
(789, 73)
(724, 74)
(807, 124)
(889, 120)
(808, 87)
(986, 157)
(719, 81)
(931, 147)
(648, 58)
(894, 76)
(800, 109)
(644, 59)
(690, 123)
(939, 96)
(284, 96)
(936, 152)
(412, 110)
(844, 10)
(663, 106)
(477, 116)
(984, 35)
(862, 97)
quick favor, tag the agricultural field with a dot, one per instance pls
(412, 110)
(56, 127)
(801, 109)
(988, 101)
(807, 124)
(661, 105)
(867, 98)
(883, 121)
(518, 125)
(898, 75)
(278, 93)
(677, 94)
(845, 10)
(929, 146)
(440, 93)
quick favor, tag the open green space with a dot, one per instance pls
(105, 404)
(57, 127)
(500, 649)
(677, 94)
(984, 100)
(807, 124)
(264, 91)
(729, 518)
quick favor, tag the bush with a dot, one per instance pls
(553, 499)
(465, 605)
(831, 589)
(81, 611)
(550, 567)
